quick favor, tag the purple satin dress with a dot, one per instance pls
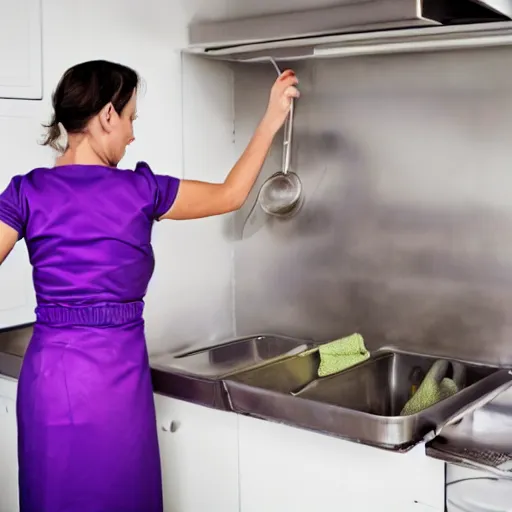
(87, 438)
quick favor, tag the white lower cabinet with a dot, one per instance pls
(284, 468)
(8, 446)
(199, 452)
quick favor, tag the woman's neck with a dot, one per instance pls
(80, 152)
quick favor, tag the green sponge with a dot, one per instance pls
(341, 354)
(435, 387)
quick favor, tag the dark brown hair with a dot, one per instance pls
(83, 91)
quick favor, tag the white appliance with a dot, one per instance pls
(468, 490)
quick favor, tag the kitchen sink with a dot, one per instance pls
(362, 403)
(196, 375)
(230, 357)
(382, 385)
(287, 375)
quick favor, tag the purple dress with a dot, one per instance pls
(87, 438)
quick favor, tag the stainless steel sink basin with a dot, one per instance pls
(196, 375)
(286, 375)
(382, 385)
(231, 357)
(362, 403)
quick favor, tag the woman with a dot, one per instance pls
(86, 418)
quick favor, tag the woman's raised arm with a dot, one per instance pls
(196, 199)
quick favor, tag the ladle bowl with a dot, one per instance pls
(281, 194)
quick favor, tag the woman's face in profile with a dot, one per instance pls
(122, 131)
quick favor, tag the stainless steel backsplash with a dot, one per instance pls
(406, 232)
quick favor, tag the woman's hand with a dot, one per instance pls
(281, 95)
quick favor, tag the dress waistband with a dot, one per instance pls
(95, 316)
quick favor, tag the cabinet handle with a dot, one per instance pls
(5, 405)
(171, 427)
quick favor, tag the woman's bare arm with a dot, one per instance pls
(197, 199)
(8, 238)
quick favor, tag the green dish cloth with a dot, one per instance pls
(435, 387)
(341, 354)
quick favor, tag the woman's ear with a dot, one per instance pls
(107, 117)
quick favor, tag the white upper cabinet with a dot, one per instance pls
(21, 49)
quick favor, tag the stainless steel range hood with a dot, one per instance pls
(299, 34)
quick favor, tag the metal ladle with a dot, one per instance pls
(281, 194)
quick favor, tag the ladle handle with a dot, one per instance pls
(287, 140)
(288, 127)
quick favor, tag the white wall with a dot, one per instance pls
(190, 297)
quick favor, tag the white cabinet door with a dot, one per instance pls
(199, 452)
(8, 447)
(284, 468)
(20, 131)
(21, 49)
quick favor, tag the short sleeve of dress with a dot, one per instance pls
(163, 189)
(13, 210)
